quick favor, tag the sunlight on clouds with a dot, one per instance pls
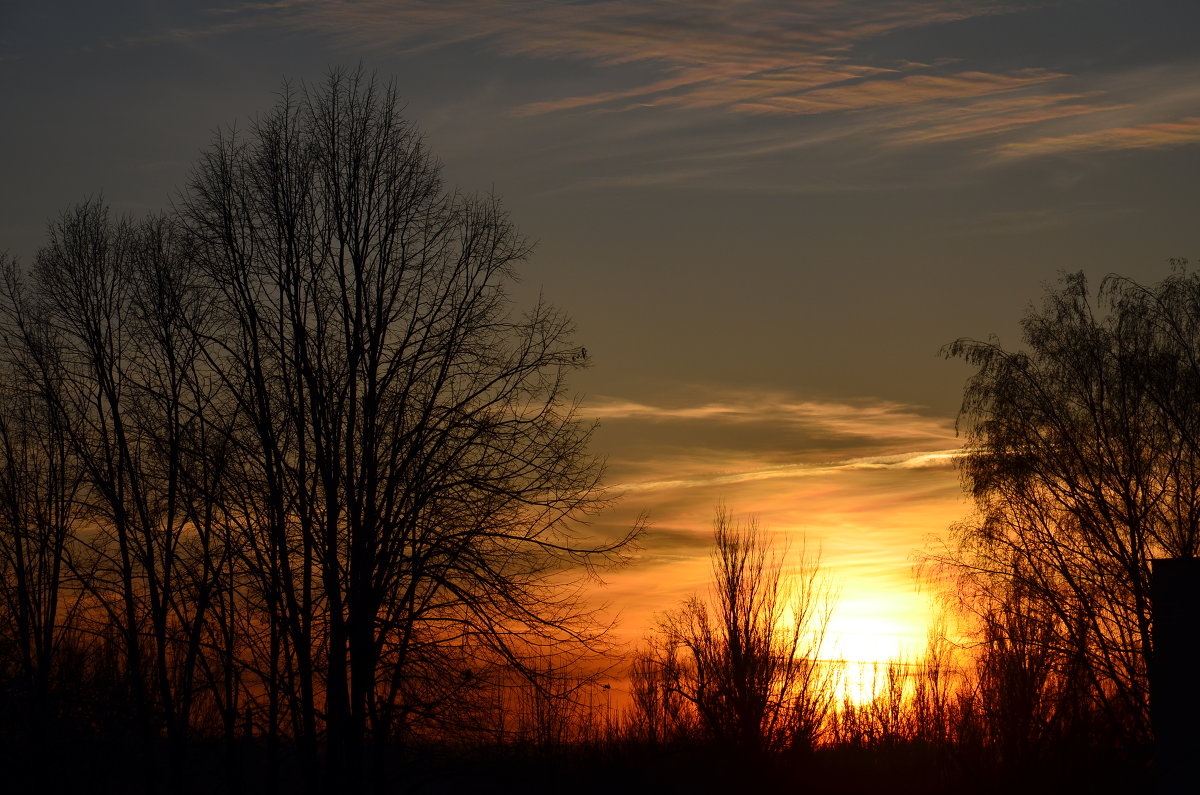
(881, 421)
(829, 65)
(1159, 135)
(753, 56)
(684, 79)
(909, 90)
(754, 32)
(868, 512)
(723, 85)
(914, 460)
(958, 121)
(832, 67)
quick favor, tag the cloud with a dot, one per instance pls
(728, 85)
(992, 116)
(714, 62)
(914, 460)
(1156, 135)
(767, 58)
(690, 454)
(881, 422)
(750, 56)
(755, 34)
(911, 90)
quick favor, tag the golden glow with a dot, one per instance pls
(879, 484)
(869, 633)
(872, 639)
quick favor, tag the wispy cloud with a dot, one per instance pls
(868, 509)
(769, 58)
(910, 90)
(911, 460)
(755, 34)
(1157, 135)
(879, 422)
(993, 116)
(750, 56)
(736, 86)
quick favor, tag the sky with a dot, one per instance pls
(766, 218)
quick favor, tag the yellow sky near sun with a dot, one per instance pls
(870, 485)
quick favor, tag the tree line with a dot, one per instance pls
(285, 462)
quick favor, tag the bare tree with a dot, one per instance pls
(39, 514)
(1081, 456)
(104, 334)
(413, 469)
(659, 713)
(747, 659)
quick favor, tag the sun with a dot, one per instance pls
(869, 639)
(868, 634)
(879, 628)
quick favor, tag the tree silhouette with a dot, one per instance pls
(747, 660)
(328, 474)
(1082, 458)
(100, 334)
(39, 511)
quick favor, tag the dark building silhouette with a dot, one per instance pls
(1174, 691)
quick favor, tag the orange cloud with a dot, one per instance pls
(1159, 135)
(761, 57)
(914, 89)
(968, 116)
(751, 55)
(722, 85)
(870, 526)
(882, 422)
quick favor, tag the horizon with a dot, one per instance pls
(765, 223)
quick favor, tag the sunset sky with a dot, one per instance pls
(765, 217)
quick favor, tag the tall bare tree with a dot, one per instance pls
(106, 330)
(40, 513)
(412, 465)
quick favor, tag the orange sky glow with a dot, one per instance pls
(870, 487)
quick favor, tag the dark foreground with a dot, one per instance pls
(101, 767)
